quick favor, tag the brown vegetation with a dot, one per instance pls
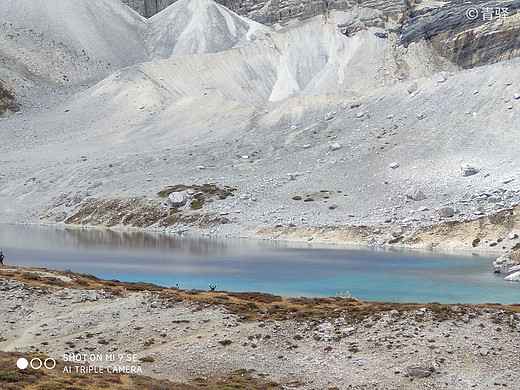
(207, 190)
(111, 212)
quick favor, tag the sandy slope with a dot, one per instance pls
(73, 42)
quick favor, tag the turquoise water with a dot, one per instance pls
(243, 265)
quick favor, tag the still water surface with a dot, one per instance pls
(245, 265)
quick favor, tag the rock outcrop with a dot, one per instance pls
(470, 35)
(275, 11)
(8, 104)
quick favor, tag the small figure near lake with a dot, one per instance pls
(2, 257)
(212, 288)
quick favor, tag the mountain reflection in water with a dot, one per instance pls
(248, 265)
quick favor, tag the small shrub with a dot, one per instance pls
(30, 276)
(10, 376)
(196, 204)
(54, 281)
(141, 286)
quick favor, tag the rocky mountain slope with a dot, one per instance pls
(468, 34)
(77, 42)
(349, 118)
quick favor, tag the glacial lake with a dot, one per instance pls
(248, 265)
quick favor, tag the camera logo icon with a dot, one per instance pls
(36, 363)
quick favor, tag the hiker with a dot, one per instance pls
(2, 257)
(212, 288)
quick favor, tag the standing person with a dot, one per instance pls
(2, 257)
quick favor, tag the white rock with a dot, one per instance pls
(442, 77)
(177, 199)
(335, 146)
(514, 277)
(415, 194)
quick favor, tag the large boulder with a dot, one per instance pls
(469, 170)
(446, 212)
(177, 199)
(418, 371)
(415, 194)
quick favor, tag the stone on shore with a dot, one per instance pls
(418, 371)
(446, 212)
(514, 277)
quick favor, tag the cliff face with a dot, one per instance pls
(275, 11)
(459, 32)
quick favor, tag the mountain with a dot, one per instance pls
(81, 42)
(355, 117)
(196, 27)
(466, 40)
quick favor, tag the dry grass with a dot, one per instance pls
(202, 193)
(202, 220)
(138, 212)
(480, 231)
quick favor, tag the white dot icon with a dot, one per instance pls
(22, 363)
